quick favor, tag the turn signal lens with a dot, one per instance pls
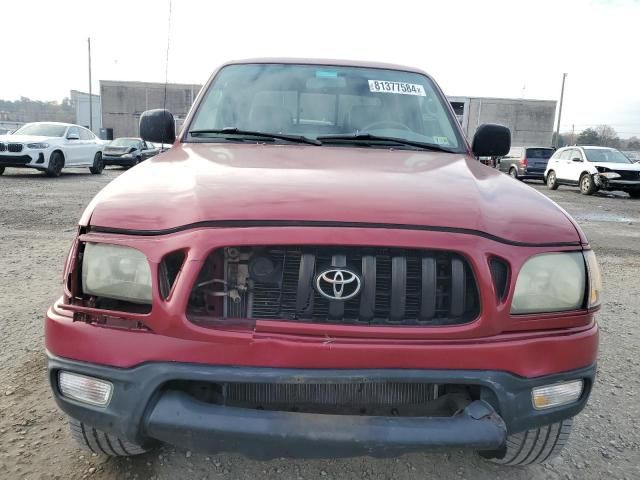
(85, 389)
(595, 279)
(549, 396)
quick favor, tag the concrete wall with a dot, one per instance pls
(124, 102)
(530, 121)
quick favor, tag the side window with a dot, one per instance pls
(85, 134)
(566, 154)
(73, 131)
(577, 154)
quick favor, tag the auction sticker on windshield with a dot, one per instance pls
(384, 86)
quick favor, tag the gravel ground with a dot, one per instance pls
(37, 222)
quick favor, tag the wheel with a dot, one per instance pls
(98, 164)
(56, 162)
(632, 194)
(1, 170)
(552, 180)
(102, 443)
(513, 173)
(533, 446)
(136, 162)
(587, 185)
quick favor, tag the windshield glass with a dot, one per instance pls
(317, 100)
(125, 142)
(42, 129)
(607, 155)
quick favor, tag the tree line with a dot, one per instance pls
(27, 110)
(602, 135)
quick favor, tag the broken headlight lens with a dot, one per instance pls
(117, 272)
(550, 282)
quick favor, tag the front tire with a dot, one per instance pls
(634, 194)
(102, 443)
(1, 170)
(552, 180)
(534, 446)
(98, 164)
(587, 185)
(56, 162)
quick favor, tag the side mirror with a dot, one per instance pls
(576, 159)
(73, 136)
(157, 126)
(491, 141)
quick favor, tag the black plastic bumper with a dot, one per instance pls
(142, 411)
(118, 161)
(14, 160)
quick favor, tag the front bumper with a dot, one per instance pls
(143, 409)
(30, 159)
(121, 161)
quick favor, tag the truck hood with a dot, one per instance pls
(194, 183)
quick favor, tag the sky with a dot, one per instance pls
(494, 48)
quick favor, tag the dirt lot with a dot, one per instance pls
(37, 222)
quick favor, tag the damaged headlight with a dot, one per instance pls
(117, 272)
(610, 175)
(550, 282)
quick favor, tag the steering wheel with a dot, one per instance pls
(385, 123)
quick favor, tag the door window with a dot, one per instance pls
(73, 131)
(566, 154)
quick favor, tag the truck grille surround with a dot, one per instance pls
(397, 286)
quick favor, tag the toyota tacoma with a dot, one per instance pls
(320, 267)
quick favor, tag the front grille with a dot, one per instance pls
(3, 147)
(14, 147)
(398, 286)
(364, 395)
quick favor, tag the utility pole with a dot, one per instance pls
(555, 143)
(90, 96)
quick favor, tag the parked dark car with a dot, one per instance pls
(526, 162)
(128, 152)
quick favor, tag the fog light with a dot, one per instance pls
(85, 389)
(555, 395)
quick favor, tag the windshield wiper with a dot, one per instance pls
(250, 133)
(366, 137)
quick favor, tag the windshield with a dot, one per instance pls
(42, 129)
(125, 142)
(315, 101)
(606, 155)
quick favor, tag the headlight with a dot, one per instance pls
(37, 145)
(595, 279)
(127, 155)
(117, 272)
(610, 175)
(550, 282)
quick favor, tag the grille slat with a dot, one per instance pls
(14, 147)
(399, 287)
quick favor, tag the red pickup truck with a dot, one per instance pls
(320, 267)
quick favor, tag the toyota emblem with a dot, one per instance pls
(338, 284)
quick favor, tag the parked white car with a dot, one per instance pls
(50, 147)
(593, 169)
